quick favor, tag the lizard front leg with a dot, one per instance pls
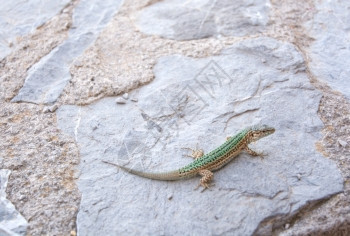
(254, 153)
(196, 153)
(207, 177)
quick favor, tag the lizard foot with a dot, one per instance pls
(254, 153)
(205, 187)
(207, 177)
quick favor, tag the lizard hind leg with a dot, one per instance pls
(196, 153)
(207, 177)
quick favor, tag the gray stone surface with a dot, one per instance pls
(202, 101)
(47, 78)
(21, 17)
(12, 222)
(330, 51)
(181, 20)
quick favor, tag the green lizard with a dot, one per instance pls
(214, 160)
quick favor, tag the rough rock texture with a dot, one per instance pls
(42, 160)
(47, 78)
(30, 49)
(11, 222)
(209, 99)
(330, 217)
(18, 18)
(184, 20)
(42, 178)
(330, 51)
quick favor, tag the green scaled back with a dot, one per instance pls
(216, 153)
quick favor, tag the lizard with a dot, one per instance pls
(204, 164)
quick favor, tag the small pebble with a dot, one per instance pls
(170, 197)
(287, 226)
(299, 176)
(50, 109)
(78, 63)
(120, 100)
(53, 108)
(134, 100)
(126, 96)
(342, 143)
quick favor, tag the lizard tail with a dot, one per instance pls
(171, 175)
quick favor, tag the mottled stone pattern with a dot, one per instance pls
(41, 160)
(47, 78)
(209, 97)
(288, 58)
(11, 222)
(30, 49)
(42, 179)
(20, 18)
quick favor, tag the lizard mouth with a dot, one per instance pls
(269, 131)
(262, 133)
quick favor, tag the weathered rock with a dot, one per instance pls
(199, 19)
(330, 51)
(47, 78)
(120, 100)
(126, 96)
(11, 221)
(258, 80)
(52, 108)
(342, 143)
(21, 17)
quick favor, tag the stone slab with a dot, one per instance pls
(330, 51)
(203, 101)
(186, 20)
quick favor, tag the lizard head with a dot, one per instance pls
(257, 132)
